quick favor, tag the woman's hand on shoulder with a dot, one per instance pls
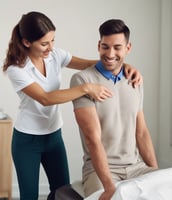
(133, 75)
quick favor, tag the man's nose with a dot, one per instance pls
(111, 53)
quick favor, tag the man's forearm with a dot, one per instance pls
(100, 163)
(147, 152)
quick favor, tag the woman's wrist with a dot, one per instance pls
(85, 88)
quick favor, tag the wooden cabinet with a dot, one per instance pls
(5, 159)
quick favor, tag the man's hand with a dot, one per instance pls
(108, 193)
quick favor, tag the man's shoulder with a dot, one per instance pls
(88, 72)
(83, 76)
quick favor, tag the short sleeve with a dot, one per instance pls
(19, 77)
(63, 56)
(84, 101)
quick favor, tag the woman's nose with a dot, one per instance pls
(50, 47)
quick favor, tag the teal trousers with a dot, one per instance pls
(29, 151)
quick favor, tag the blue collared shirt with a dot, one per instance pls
(107, 74)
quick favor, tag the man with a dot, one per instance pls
(116, 141)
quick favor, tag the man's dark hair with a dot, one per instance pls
(114, 26)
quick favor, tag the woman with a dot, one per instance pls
(34, 68)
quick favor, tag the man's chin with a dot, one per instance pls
(110, 65)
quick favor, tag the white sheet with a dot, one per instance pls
(153, 186)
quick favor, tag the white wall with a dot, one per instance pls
(165, 123)
(77, 23)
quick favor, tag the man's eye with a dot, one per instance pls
(104, 47)
(118, 48)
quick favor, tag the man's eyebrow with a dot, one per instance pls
(116, 45)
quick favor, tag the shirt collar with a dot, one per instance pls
(107, 74)
(29, 64)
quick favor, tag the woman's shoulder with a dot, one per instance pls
(27, 65)
(60, 56)
(58, 52)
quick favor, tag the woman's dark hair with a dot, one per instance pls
(114, 26)
(32, 26)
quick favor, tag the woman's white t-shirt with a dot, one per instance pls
(33, 117)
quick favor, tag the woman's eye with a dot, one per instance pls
(44, 44)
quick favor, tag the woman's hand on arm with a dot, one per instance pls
(95, 91)
(133, 75)
(98, 92)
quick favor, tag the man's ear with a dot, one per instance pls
(99, 45)
(128, 47)
(26, 43)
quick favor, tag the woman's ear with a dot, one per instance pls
(26, 43)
